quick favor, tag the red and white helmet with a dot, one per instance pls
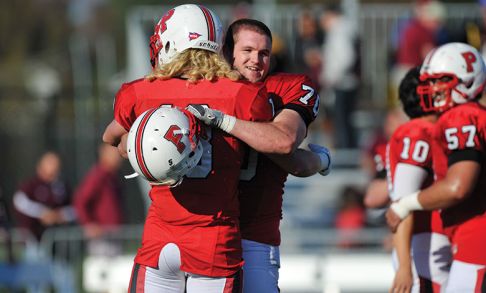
(452, 74)
(183, 27)
(163, 145)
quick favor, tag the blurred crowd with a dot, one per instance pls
(45, 199)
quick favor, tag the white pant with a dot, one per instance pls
(465, 278)
(432, 259)
(260, 271)
(169, 278)
(432, 256)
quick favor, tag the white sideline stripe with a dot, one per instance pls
(357, 272)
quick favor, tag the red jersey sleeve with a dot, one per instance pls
(296, 92)
(124, 106)
(462, 132)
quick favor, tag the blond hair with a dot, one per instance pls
(195, 64)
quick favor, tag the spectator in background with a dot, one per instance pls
(373, 160)
(338, 74)
(471, 30)
(98, 201)
(307, 45)
(475, 31)
(417, 38)
(44, 200)
(279, 57)
(351, 216)
(242, 9)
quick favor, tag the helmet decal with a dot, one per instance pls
(470, 59)
(174, 134)
(163, 21)
(193, 36)
(155, 41)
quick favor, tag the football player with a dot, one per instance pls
(409, 168)
(191, 240)
(373, 161)
(248, 48)
(455, 76)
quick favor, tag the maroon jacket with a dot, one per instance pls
(52, 195)
(98, 198)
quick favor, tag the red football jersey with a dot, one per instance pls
(261, 187)
(462, 136)
(378, 151)
(207, 197)
(413, 143)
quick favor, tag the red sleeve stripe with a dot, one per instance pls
(137, 279)
(210, 22)
(481, 280)
(138, 146)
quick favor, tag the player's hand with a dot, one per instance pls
(122, 146)
(392, 219)
(325, 157)
(93, 231)
(212, 117)
(49, 217)
(403, 281)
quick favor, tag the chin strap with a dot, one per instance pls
(168, 182)
(131, 176)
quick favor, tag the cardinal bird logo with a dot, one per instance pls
(193, 36)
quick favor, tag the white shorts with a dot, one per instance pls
(260, 271)
(431, 261)
(466, 278)
(432, 256)
(169, 278)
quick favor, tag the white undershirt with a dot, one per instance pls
(408, 179)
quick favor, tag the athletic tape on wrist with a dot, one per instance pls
(407, 204)
(228, 123)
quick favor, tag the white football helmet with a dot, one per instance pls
(183, 27)
(452, 74)
(163, 145)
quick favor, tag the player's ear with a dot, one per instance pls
(228, 53)
(229, 45)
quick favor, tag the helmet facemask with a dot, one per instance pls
(435, 92)
(455, 74)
